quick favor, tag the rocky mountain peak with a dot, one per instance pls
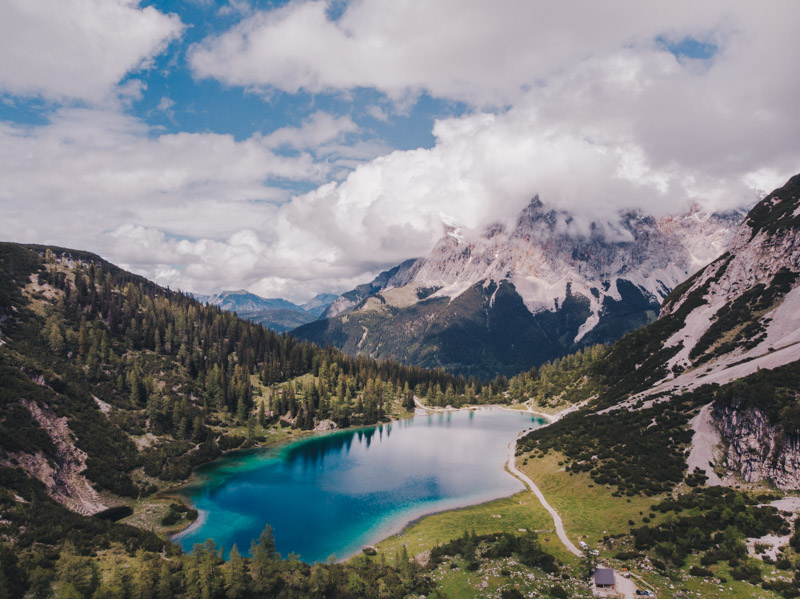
(548, 250)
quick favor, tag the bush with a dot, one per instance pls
(785, 588)
(783, 564)
(115, 513)
(559, 592)
(627, 555)
(170, 518)
(749, 572)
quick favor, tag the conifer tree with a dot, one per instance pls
(235, 575)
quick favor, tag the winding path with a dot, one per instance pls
(562, 535)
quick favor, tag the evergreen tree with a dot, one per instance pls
(55, 338)
(235, 575)
(263, 562)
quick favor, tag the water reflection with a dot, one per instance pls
(335, 492)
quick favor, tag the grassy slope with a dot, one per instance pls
(589, 510)
(521, 510)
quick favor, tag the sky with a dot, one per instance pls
(293, 148)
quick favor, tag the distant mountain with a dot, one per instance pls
(244, 301)
(279, 321)
(319, 303)
(274, 313)
(513, 298)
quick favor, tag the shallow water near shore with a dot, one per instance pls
(331, 494)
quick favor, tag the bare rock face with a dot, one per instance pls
(757, 449)
(548, 254)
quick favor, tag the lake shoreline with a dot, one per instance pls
(202, 516)
(469, 443)
(176, 494)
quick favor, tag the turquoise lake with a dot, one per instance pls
(332, 493)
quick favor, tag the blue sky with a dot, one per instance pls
(207, 105)
(300, 147)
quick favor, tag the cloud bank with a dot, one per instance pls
(595, 110)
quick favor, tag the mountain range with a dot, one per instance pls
(276, 314)
(510, 298)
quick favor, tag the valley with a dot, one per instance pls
(669, 454)
(362, 299)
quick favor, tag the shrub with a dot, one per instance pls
(702, 572)
(559, 592)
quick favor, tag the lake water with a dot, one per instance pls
(333, 493)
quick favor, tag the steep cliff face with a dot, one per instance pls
(756, 448)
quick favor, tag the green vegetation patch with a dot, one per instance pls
(589, 511)
(563, 381)
(638, 450)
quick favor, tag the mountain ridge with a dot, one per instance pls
(720, 368)
(276, 314)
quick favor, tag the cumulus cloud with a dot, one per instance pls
(485, 53)
(319, 129)
(195, 211)
(77, 49)
(88, 171)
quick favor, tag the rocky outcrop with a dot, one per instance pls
(398, 276)
(325, 425)
(757, 449)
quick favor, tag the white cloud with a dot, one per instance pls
(377, 113)
(77, 49)
(320, 129)
(89, 171)
(195, 211)
(486, 53)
